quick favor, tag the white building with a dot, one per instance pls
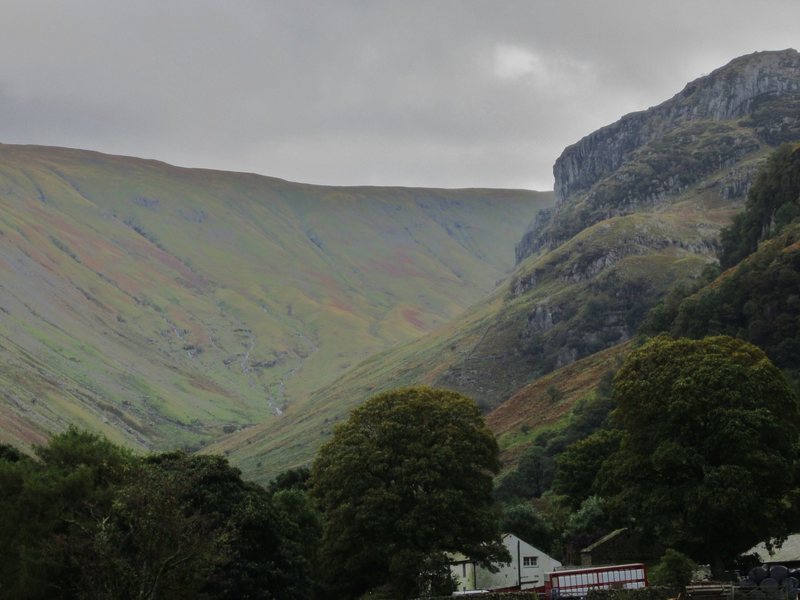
(527, 569)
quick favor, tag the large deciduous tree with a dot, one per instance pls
(407, 479)
(708, 451)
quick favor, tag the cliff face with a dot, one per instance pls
(646, 158)
(728, 93)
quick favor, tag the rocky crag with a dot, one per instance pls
(648, 157)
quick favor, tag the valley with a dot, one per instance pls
(166, 306)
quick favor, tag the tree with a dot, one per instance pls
(49, 509)
(152, 543)
(757, 301)
(584, 526)
(293, 479)
(301, 528)
(578, 465)
(532, 477)
(674, 571)
(90, 520)
(407, 479)
(708, 449)
(189, 526)
(524, 521)
(772, 203)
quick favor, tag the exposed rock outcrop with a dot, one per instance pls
(534, 237)
(727, 93)
(647, 158)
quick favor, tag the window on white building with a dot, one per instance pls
(530, 561)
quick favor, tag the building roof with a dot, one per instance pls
(789, 551)
(604, 539)
(459, 557)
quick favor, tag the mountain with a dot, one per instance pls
(640, 204)
(756, 300)
(167, 306)
(646, 158)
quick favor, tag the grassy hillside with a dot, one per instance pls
(549, 402)
(167, 306)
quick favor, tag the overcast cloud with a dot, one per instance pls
(407, 92)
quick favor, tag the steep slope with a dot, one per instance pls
(547, 403)
(640, 206)
(165, 306)
(645, 158)
(758, 298)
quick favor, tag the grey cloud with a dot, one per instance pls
(351, 92)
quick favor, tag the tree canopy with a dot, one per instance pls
(758, 301)
(708, 448)
(89, 519)
(406, 479)
(536, 469)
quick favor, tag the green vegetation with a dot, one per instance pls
(707, 459)
(674, 570)
(88, 519)
(755, 301)
(757, 298)
(758, 301)
(524, 521)
(537, 469)
(772, 203)
(407, 479)
(697, 454)
(710, 430)
(661, 317)
(577, 466)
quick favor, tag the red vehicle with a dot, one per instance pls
(576, 583)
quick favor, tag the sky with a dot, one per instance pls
(431, 93)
